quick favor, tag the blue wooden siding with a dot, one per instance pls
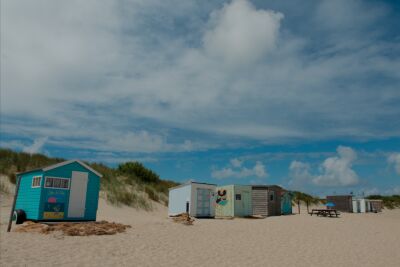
(28, 198)
(286, 202)
(92, 195)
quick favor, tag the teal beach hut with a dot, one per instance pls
(286, 202)
(67, 191)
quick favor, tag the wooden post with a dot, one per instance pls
(298, 205)
(14, 202)
(307, 207)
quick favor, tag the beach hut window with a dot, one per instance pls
(271, 196)
(36, 181)
(238, 197)
(54, 182)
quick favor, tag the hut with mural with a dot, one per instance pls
(233, 201)
(67, 191)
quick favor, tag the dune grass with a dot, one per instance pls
(3, 187)
(130, 184)
(303, 197)
(389, 202)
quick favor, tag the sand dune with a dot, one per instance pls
(154, 240)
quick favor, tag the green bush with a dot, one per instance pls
(153, 195)
(137, 170)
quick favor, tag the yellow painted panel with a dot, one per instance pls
(53, 215)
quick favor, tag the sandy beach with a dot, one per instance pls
(154, 240)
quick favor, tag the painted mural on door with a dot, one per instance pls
(54, 206)
(222, 197)
(224, 201)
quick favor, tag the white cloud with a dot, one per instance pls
(394, 159)
(339, 15)
(37, 146)
(236, 162)
(299, 172)
(258, 171)
(140, 81)
(223, 173)
(241, 34)
(333, 171)
(337, 171)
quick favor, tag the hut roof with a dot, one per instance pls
(189, 183)
(62, 164)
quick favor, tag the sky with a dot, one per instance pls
(302, 94)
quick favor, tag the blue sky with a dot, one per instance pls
(304, 94)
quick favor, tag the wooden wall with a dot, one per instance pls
(342, 203)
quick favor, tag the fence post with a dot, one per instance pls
(13, 205)
(298, 205)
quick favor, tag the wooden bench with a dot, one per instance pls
(325, 212)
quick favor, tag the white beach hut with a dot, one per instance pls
(361, 205)
(197, 199)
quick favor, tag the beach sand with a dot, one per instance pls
(154, 240)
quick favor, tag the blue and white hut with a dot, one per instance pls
(67, 191)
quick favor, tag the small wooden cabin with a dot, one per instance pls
(266, 200)
(376, 205)
(342, 203)
(197, 199)
(233, 201)
(67, 191)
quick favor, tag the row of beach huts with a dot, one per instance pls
(209, 200)
(69, 191)
(350, 203)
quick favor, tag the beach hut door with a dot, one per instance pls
(203, 202)
(77, 195)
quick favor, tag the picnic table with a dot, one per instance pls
(325, 212)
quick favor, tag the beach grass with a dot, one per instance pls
(130, 184)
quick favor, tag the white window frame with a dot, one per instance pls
(33, 180)
(61, 178)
